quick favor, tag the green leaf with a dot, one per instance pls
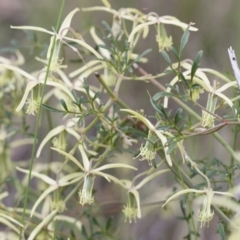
(167, 71)
(75, 95)
(106, 25)
(64, 105)
(174, 51)
(103, 46)
(196, 86)
(183, 79)
(84, 232)
(52, 109)
(130, 70)
(196, 62)
(178, 115)
(95, 221)
(108, 224)
(171, 147)
(184, 41)
(95, 96)
(164, 128)
(142, 55)
(156, 108)
(86, 86)
(221, 231)
(166, 57)
(161, 94)
(80, 122)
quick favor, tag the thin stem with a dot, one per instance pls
(191, 112)
(181, 175)
(38, 122)
(111, 93)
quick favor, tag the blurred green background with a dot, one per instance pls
(217, 21)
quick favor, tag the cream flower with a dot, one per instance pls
(151, 128)
(90, 172)
(205, 215)
(164, 42)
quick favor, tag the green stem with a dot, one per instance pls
(111, 93)
(191, 112)
(38, 123)
(182, 176)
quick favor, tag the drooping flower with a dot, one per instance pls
(148, 151)
(85, 194)
(130, 210)
(205, 215)
(153, 130)
(207, 117)
(164, 42)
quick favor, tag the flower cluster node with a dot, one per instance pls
(60, 206)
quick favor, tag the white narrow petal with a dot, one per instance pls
(84, 68)
(150, 177)
(73, 133)
(43, 177)
(221, 201)
(49, 136)
(64, 77)
(20, 71)
(42, 224)
(111, 178)
(5, 60)
(216, 73)
(100, 8)
(70, 157)
(204, 85)
(174, 21)
(136, 195)
(105, 53)
(39, 29)
(9, 224)
(189, 190)
(85, 45)
(3, 195)
(229, 194)
(70, 220)
(11, 219)
(67, 22)
(139, 28)
(112, 165)
(88, 72)
(226, 86)
(85, 159)
(172, 83)
(140, 117)
(21, 142)
(29, 87)
(225, 98)
(103, 175)
(69, 177)
(164, 141)
(60, 86)
(43, 195)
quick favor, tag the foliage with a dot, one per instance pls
(55, 193)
